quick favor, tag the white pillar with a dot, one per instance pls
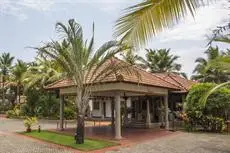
(153, 115)
(118, 116)
(61, 113)
(148, 119)
(102, 109)
(166, 112)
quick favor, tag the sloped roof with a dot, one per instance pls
(177, 80)
(145, 78)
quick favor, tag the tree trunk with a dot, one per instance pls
(80, 132)
(3, 91)
(18, 93)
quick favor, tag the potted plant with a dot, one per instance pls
(29, 122)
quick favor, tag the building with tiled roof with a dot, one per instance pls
(147, 95)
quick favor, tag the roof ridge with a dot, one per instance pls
(55, 82)
(178, 81)
(148, 72)
(165, 80)
(154, 75)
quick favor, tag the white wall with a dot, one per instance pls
(100, 113)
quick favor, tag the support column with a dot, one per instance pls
(148, 119)
(118, 116)
(125, 122)
(102, 109)
(136, 110)
(61, 113)
(112, 112)
(153, 107)
(166, 112)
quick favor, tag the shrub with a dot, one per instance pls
(69, 113)
(29, 122)
(15, 113)
(211, 115)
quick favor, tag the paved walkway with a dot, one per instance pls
(18, 144)
(183, 143)
(176, 143)
(13, 125)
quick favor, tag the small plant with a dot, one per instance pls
(29, 122)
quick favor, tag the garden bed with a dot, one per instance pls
(65, 140)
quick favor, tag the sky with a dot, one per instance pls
(29, 23)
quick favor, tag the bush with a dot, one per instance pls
(69, 113)
(15, 113)
(41, 104)
(210, 116)
(29, 122)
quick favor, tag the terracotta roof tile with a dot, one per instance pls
(145, 78)
(177, 80)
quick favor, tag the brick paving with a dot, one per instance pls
(15, 144)
(178, 142)
(182, 143)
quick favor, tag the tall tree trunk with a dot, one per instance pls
(80, 132)
(18, 93)
(3, 87)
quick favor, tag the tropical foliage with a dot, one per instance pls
(222, 63)
(204, 72)
(81, 63)
(29, 122)
(161, 61)
(139, 23)
(212, 115)
(6, 61)
(42, 72)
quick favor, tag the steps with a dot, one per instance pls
(138, 124)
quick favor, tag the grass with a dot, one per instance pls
(69, 141)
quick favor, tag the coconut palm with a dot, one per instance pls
(160, 61)
(142, 21)
(82, 64)
(42, 72)
(6, 61)
(205, 73)
(17, 73)
(221, 34)
(222, 63)
(129, 56)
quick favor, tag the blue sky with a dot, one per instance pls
(30, 22)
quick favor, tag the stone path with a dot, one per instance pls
(183, 143)
(176, 143)
(16, 144)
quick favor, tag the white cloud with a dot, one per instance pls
(41, 5)
(188, 38)
(17, 7)
(206, 19)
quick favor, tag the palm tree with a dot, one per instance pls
(130, 57)
(82, 64)
(205, 73)
(6, 61)
(42, 72)
(161, 61)
(18, 71)
(223, 62)
(142, 21)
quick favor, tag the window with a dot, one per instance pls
(96, 105)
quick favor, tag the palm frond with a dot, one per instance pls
(139, 23)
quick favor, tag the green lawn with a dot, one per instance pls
(69, 141)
